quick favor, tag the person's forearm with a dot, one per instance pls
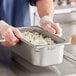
(45, 7)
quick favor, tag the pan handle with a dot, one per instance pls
(2, 40)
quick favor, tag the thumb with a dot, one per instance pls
(17, 33)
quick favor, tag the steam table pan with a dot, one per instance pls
(40, 55)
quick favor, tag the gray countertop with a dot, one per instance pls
(65, 69)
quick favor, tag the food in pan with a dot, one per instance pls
(37, 39)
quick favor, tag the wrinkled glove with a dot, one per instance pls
(48, 25)
(10, 34)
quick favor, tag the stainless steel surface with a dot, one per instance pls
(68, 24)
(64, 69)
(71, 75)
(41, 55)
(65, 11)
(67, 54)
(62, 15)
(70, 57)
(65, 15)
(65, 18)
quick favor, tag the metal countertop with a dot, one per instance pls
(65, 69)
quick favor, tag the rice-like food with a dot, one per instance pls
(37, 39)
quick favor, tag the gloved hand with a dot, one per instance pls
(48, 25)
(10, 34)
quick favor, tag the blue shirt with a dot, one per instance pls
(16, 12)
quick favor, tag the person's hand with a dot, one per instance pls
(52, 28)
(10, 34)
(48, 25)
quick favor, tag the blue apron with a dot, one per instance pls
(15, 13)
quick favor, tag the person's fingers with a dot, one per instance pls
(7, 32)
(48, 28)
(17, 33)
(57, 28)
(6, 37)
(10, 38)
(59, 31)
(8, 41)
(53, 28)
(11, 35)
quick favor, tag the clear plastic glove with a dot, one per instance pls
(10, 34)
(48, 25)
(53, 28)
